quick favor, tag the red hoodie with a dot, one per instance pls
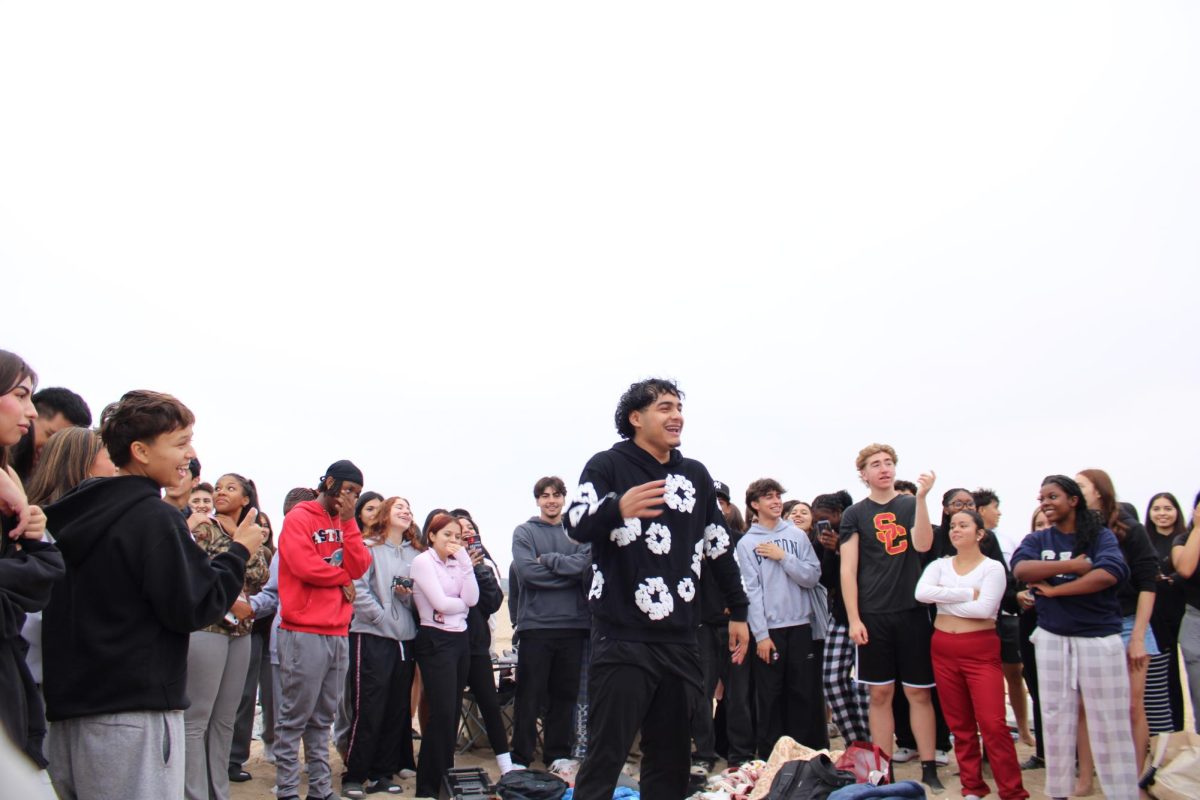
(310, 580)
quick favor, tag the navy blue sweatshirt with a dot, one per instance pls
(1090, 615)
(646, 572)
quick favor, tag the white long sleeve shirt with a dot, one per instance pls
(955, 594)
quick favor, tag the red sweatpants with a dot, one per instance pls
(970, 684)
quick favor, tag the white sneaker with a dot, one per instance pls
(941, 757)
(407, 773)
(902, 755)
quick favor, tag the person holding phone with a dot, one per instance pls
(481, 679)
(848, 699)
(382, 661)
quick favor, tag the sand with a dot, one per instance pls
(260, 788)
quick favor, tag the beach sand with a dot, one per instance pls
(260, 788)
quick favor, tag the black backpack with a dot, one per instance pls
(814, 779)
(531, 784)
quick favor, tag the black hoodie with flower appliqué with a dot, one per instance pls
(646, 572)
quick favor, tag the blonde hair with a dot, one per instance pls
(872, 449)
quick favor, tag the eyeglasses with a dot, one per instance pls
(959, 505)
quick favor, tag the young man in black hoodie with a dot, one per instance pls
(553, 620)
(652, 519)
(115, 635)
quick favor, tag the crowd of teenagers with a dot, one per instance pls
(147, 612)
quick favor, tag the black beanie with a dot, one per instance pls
(344, 471)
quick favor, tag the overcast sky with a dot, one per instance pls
(441, 239)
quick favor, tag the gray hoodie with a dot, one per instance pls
(778, 590)
(378, 610)
(550, 571)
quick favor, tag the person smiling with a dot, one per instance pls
(1073, 569)
(1166, 523)
(116, 632)
(219, 655)
(379, 684)
(967, 588)
(553, 621)
(778, 568)
(654, 524)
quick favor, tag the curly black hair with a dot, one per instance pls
(1087, 522)
(639, 396)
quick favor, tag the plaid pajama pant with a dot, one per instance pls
(1094, 667)
(848, 699)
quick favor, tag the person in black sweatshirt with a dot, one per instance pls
(481, 679)
(28, 566)
(652, 519)
(1136, 594)
(115, 634)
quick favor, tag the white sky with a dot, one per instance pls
(440, 239)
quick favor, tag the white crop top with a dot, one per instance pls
(954, 593)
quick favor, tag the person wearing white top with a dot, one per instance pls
(967, 589)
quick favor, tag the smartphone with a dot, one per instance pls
(823, 526)
(472, 542)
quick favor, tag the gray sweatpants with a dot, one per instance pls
(136, 755)
(312, 674)
(216, 675)
(1189, 645)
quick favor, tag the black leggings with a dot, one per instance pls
(482, 682)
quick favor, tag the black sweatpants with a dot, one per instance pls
(378, 691)
(738, 709)
(444, 659)
(548, 665)
(784, 690)
(482, 681)
(632, 685)
(713, 641)
(1028, 620)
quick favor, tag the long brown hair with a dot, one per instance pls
(13, 370)
(377, 530)
(63, 464)
(1110, 512)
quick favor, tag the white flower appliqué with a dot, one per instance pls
(587, 494)
(680, 494)
(654, 599)
(716, 541)
(698, 557)
(658, 539)
(686, 589)
(597, 584)
(628, 532)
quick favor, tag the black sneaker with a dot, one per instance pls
(1033, 762)
(929, 777)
